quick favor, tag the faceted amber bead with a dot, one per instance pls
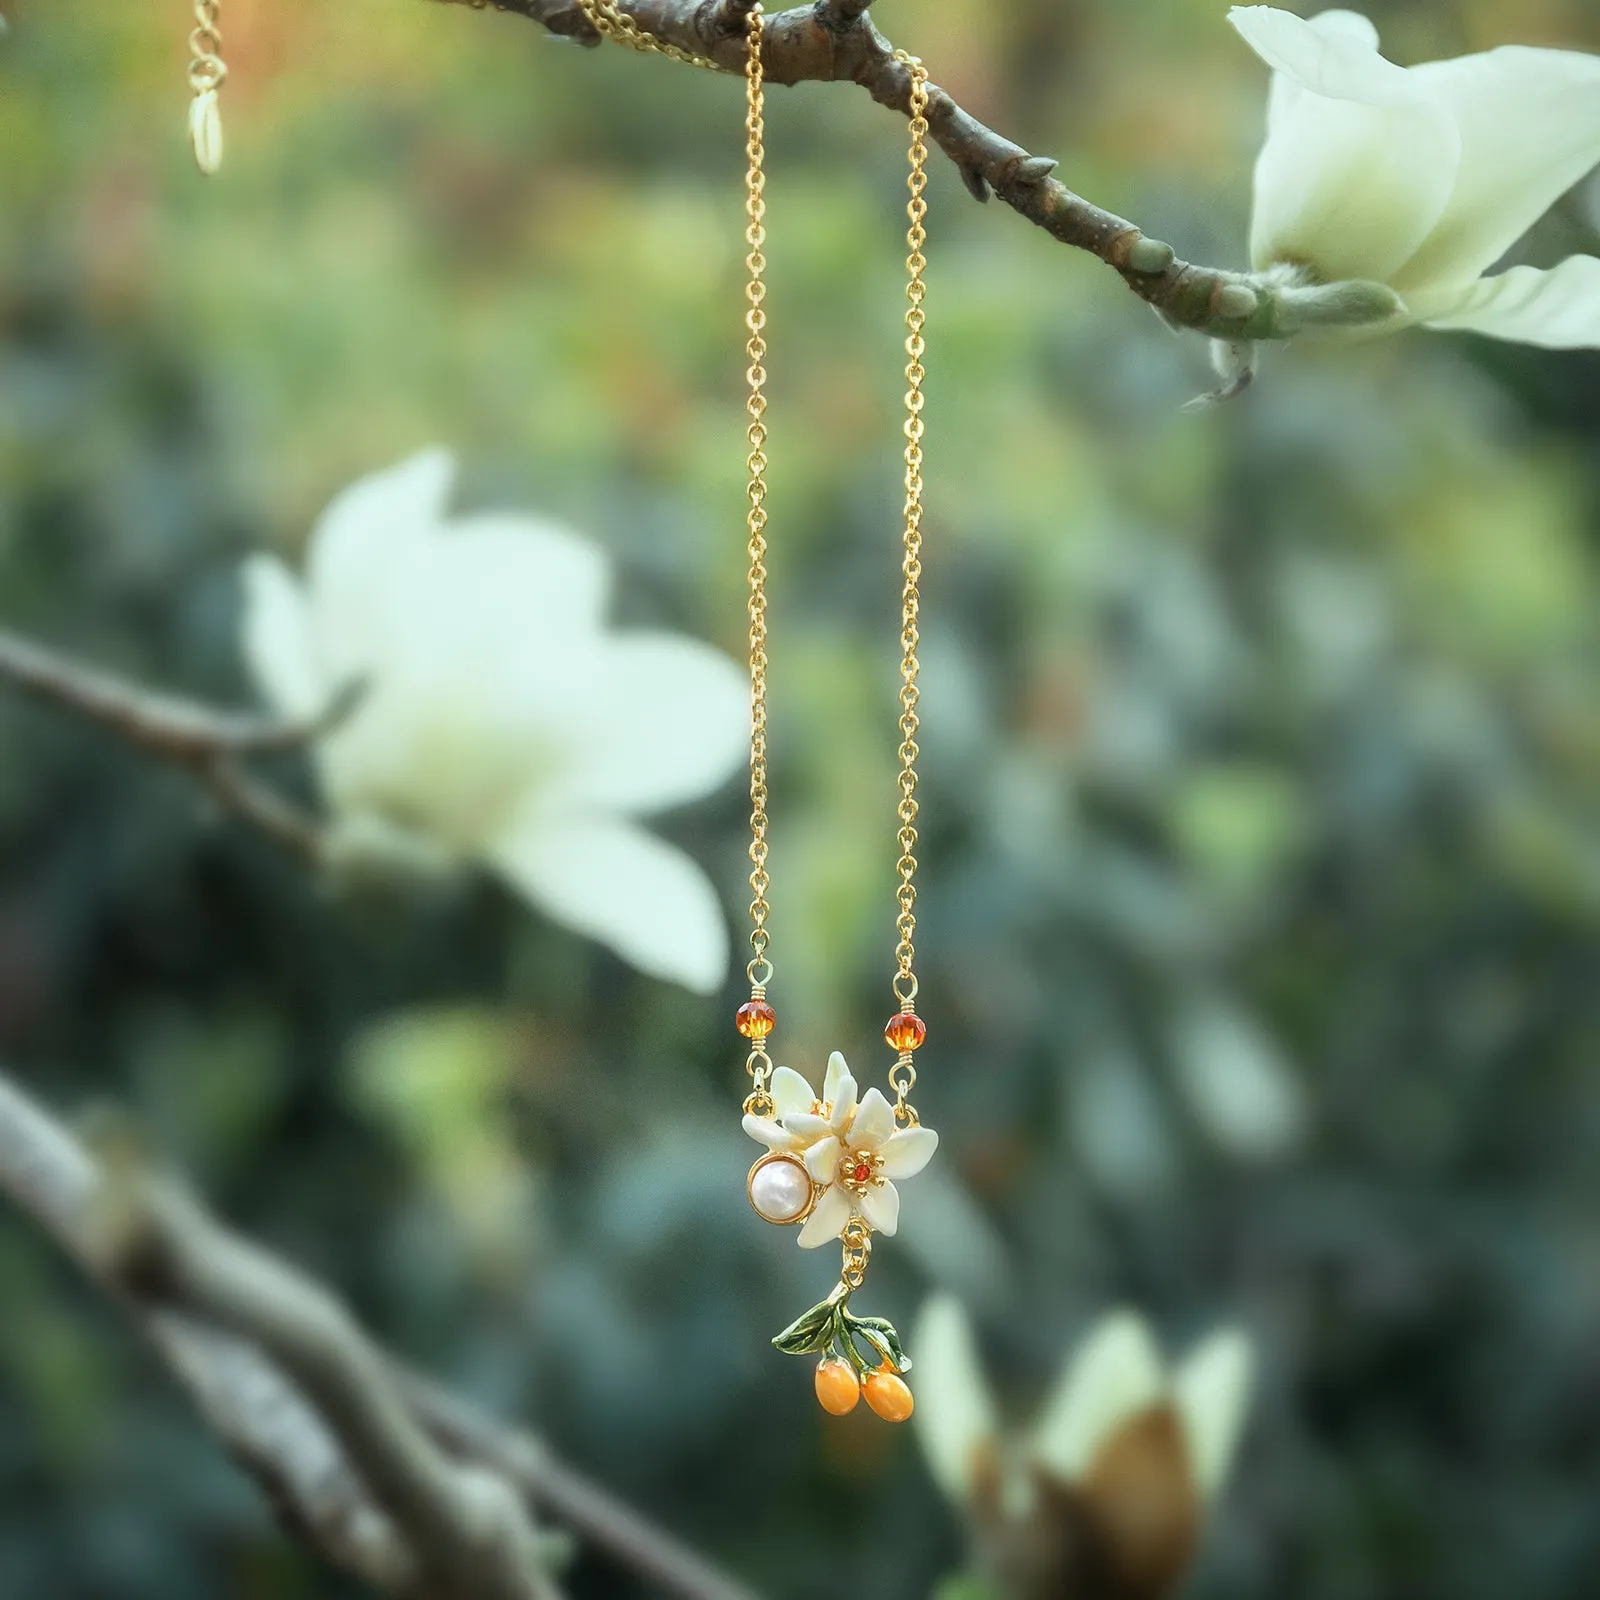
(755, 1019)
(905, 1030)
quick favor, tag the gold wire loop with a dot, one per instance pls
(610, 21)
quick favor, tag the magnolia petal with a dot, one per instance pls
(551, 578)
(839, 1090)
(638, 896)
(369, 531)
(827, 1221)
(1558, 309)
(955, 1418)
(765, 1131)
(1530, 130)
(790, 1092)
(874, 1121)
(1359, 161)
(1115, 1375)
(822, 1160)
(879, 1203)
(808, 1127)
(908, 1152)
(278, 647)
(658, 721)
(1212, 1395)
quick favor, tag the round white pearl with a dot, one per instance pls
(780, 1190)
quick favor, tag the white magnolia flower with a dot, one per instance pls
(852, 1147)
(1122, 1445)
(1420, 179)
(502, 722)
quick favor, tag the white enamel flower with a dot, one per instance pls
(851, 1146)
(1134, 1451)
(1420, 179)
(502, 722)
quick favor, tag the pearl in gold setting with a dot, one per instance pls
(780, 1188)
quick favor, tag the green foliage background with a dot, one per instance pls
(1263, 764)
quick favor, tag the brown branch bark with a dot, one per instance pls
(208, 743)
(835, 41)
(378, 1470)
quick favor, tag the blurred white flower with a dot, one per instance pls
(1106, 1493)
(1419, 179)
(502, 722)
(852, 1150)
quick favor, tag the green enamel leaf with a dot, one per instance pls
(812, 1331)
(880, 1333)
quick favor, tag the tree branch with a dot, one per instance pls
(835, 41)
(210, 744)
(381, 1472)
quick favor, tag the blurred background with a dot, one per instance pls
(1262, 766)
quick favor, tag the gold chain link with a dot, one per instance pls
(610, 21)
(206, 66)
(857, 1241)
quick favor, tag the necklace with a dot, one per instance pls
(833, 1156)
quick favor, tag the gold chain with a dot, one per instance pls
(206, 66)
(610, 21)
(207, 69)
(755, 319)
(905, 1030)
(759, 970)
(756, 1019)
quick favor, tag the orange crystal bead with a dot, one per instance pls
(755, 1019)
(905, 1030)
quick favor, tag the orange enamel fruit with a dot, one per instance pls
(838, 1388)
(888, 1394)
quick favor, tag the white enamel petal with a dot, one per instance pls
(660, 720)
(840, 1091)
(277, 640)
(822, 1160)
(1212, 1395)
(827, 1222)
(790, 1092)
(908, 1152)
(1359, 161)
(1530, 130)
(1558, 309)
(955, 1419)
(1115, 1375)
(879, 1203)
(639, 896)
(808, 1128)
(765, 1131)
(874, 1122)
